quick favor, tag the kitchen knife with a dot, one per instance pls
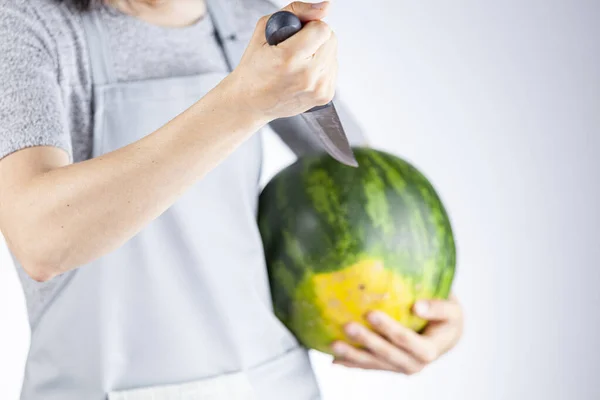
(324, 120)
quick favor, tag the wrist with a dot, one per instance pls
(243, 100)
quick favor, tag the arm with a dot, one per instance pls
(57, 216)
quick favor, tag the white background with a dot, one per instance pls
(499, 104)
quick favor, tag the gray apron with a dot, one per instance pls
(182, 310)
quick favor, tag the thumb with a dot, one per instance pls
(308, 11)
(438, 310)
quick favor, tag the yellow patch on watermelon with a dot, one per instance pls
(326, 302)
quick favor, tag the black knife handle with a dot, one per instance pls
(281, 26)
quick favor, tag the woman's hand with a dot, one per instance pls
(389, 346)
(294, 76)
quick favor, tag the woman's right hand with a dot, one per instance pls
(294, 76)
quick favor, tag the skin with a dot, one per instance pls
(389, 346)
(173, 14)
(57, 216)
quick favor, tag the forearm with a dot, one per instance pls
(68, 216)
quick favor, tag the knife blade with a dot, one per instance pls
(324, 120)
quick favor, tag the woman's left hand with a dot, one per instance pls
(390, 346)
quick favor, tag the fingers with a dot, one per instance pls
(304, 11)
(295, 75)
(331, 84)
(389, 345)
(350, 364)
(412, 343)
(326, 61)
(446, 324)
(352, 357)
(308, 11)
(312, 37)
(327, 52)
(438, 310)
(383, 350)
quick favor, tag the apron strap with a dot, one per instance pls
(225, 30)
(221, 18)
(98, 49)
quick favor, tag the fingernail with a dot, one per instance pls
(422, 307)
(338, 349)
(352, 329)
(320, 5)
(374, 317)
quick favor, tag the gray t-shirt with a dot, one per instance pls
(45, 75)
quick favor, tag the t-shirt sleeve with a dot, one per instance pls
(32, 112)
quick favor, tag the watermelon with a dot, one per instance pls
(342, 241)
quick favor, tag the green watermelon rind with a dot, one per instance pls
(294, 248)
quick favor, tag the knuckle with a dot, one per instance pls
(396, 360)
(362, 337)
(285, 61)
(262, 21)
(364, 359)
(319, 89)
(323, 95)
(327, 98)
(397, 335)
(333, 38)
(321, 28)
(330, 93)
(306, 80)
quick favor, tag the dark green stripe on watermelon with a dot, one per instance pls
(433, 231)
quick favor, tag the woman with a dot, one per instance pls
(129, 168)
